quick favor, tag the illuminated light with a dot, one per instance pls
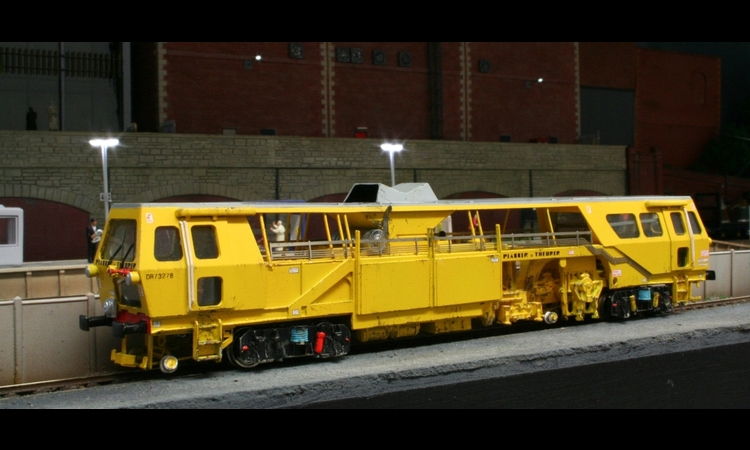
(245, 348)
(168, 364)
(258, 57)
(391, 149)
(104, 142)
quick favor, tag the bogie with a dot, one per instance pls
(638, 301)
(253, 346)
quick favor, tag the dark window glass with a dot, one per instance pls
(624, 225)
(678, 223)
(682, 256)
(569, 221)
(204, 242)
(129, 294)
(651, 225)
(119, 243)
(694, 224)
(209, 291)
(167, 246)
(7, 230)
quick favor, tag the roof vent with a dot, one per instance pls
(401, 193)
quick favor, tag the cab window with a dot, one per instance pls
(694, 224)
(204, 242)
(167, 244)
(209, 291)
(119, 243)
(7, 230)
(678, 223)
(624, 225)
(651, 225)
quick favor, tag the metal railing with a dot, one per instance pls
(24, 61)
(420, 245)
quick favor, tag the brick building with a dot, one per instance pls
(457, 103)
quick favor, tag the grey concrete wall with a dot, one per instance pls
(63, 167)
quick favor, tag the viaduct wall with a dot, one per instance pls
(56, 168)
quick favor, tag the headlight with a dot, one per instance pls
(91, 270)
(132, 278)
(110, 308)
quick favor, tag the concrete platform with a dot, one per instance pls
(407, 370)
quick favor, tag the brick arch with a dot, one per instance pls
(191, 189)
(460, 221)
(317, 227)
(330, 198)
(86, 203)
(330, 188)
(446, 190)
(53, 230)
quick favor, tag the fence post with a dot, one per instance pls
(18, 375)
(731, 273)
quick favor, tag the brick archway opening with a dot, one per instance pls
(53, 231)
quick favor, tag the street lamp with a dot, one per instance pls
(104, 144)
(391, 149)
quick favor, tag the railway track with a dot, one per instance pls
(27, 389)
(713, 303)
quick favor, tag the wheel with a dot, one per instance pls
(550, 317)
(242, 360)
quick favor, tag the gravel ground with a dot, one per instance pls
(370, 374)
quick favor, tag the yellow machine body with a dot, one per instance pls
(186, 278)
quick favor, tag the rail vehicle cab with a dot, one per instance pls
(164, 276)
(175, 279)
(653, 252)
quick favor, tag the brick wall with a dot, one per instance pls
(62, 167)
(678, 104)
(212, 86)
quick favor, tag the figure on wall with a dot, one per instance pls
(31, 119)
(53, 123)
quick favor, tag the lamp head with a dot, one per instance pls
(392, 148)
(104, 142)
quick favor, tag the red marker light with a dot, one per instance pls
(319, 342)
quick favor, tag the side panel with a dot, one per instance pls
(467, 279)
(283, 283)
(394, 285)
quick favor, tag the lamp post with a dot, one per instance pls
(104, 144)
(391, 149)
